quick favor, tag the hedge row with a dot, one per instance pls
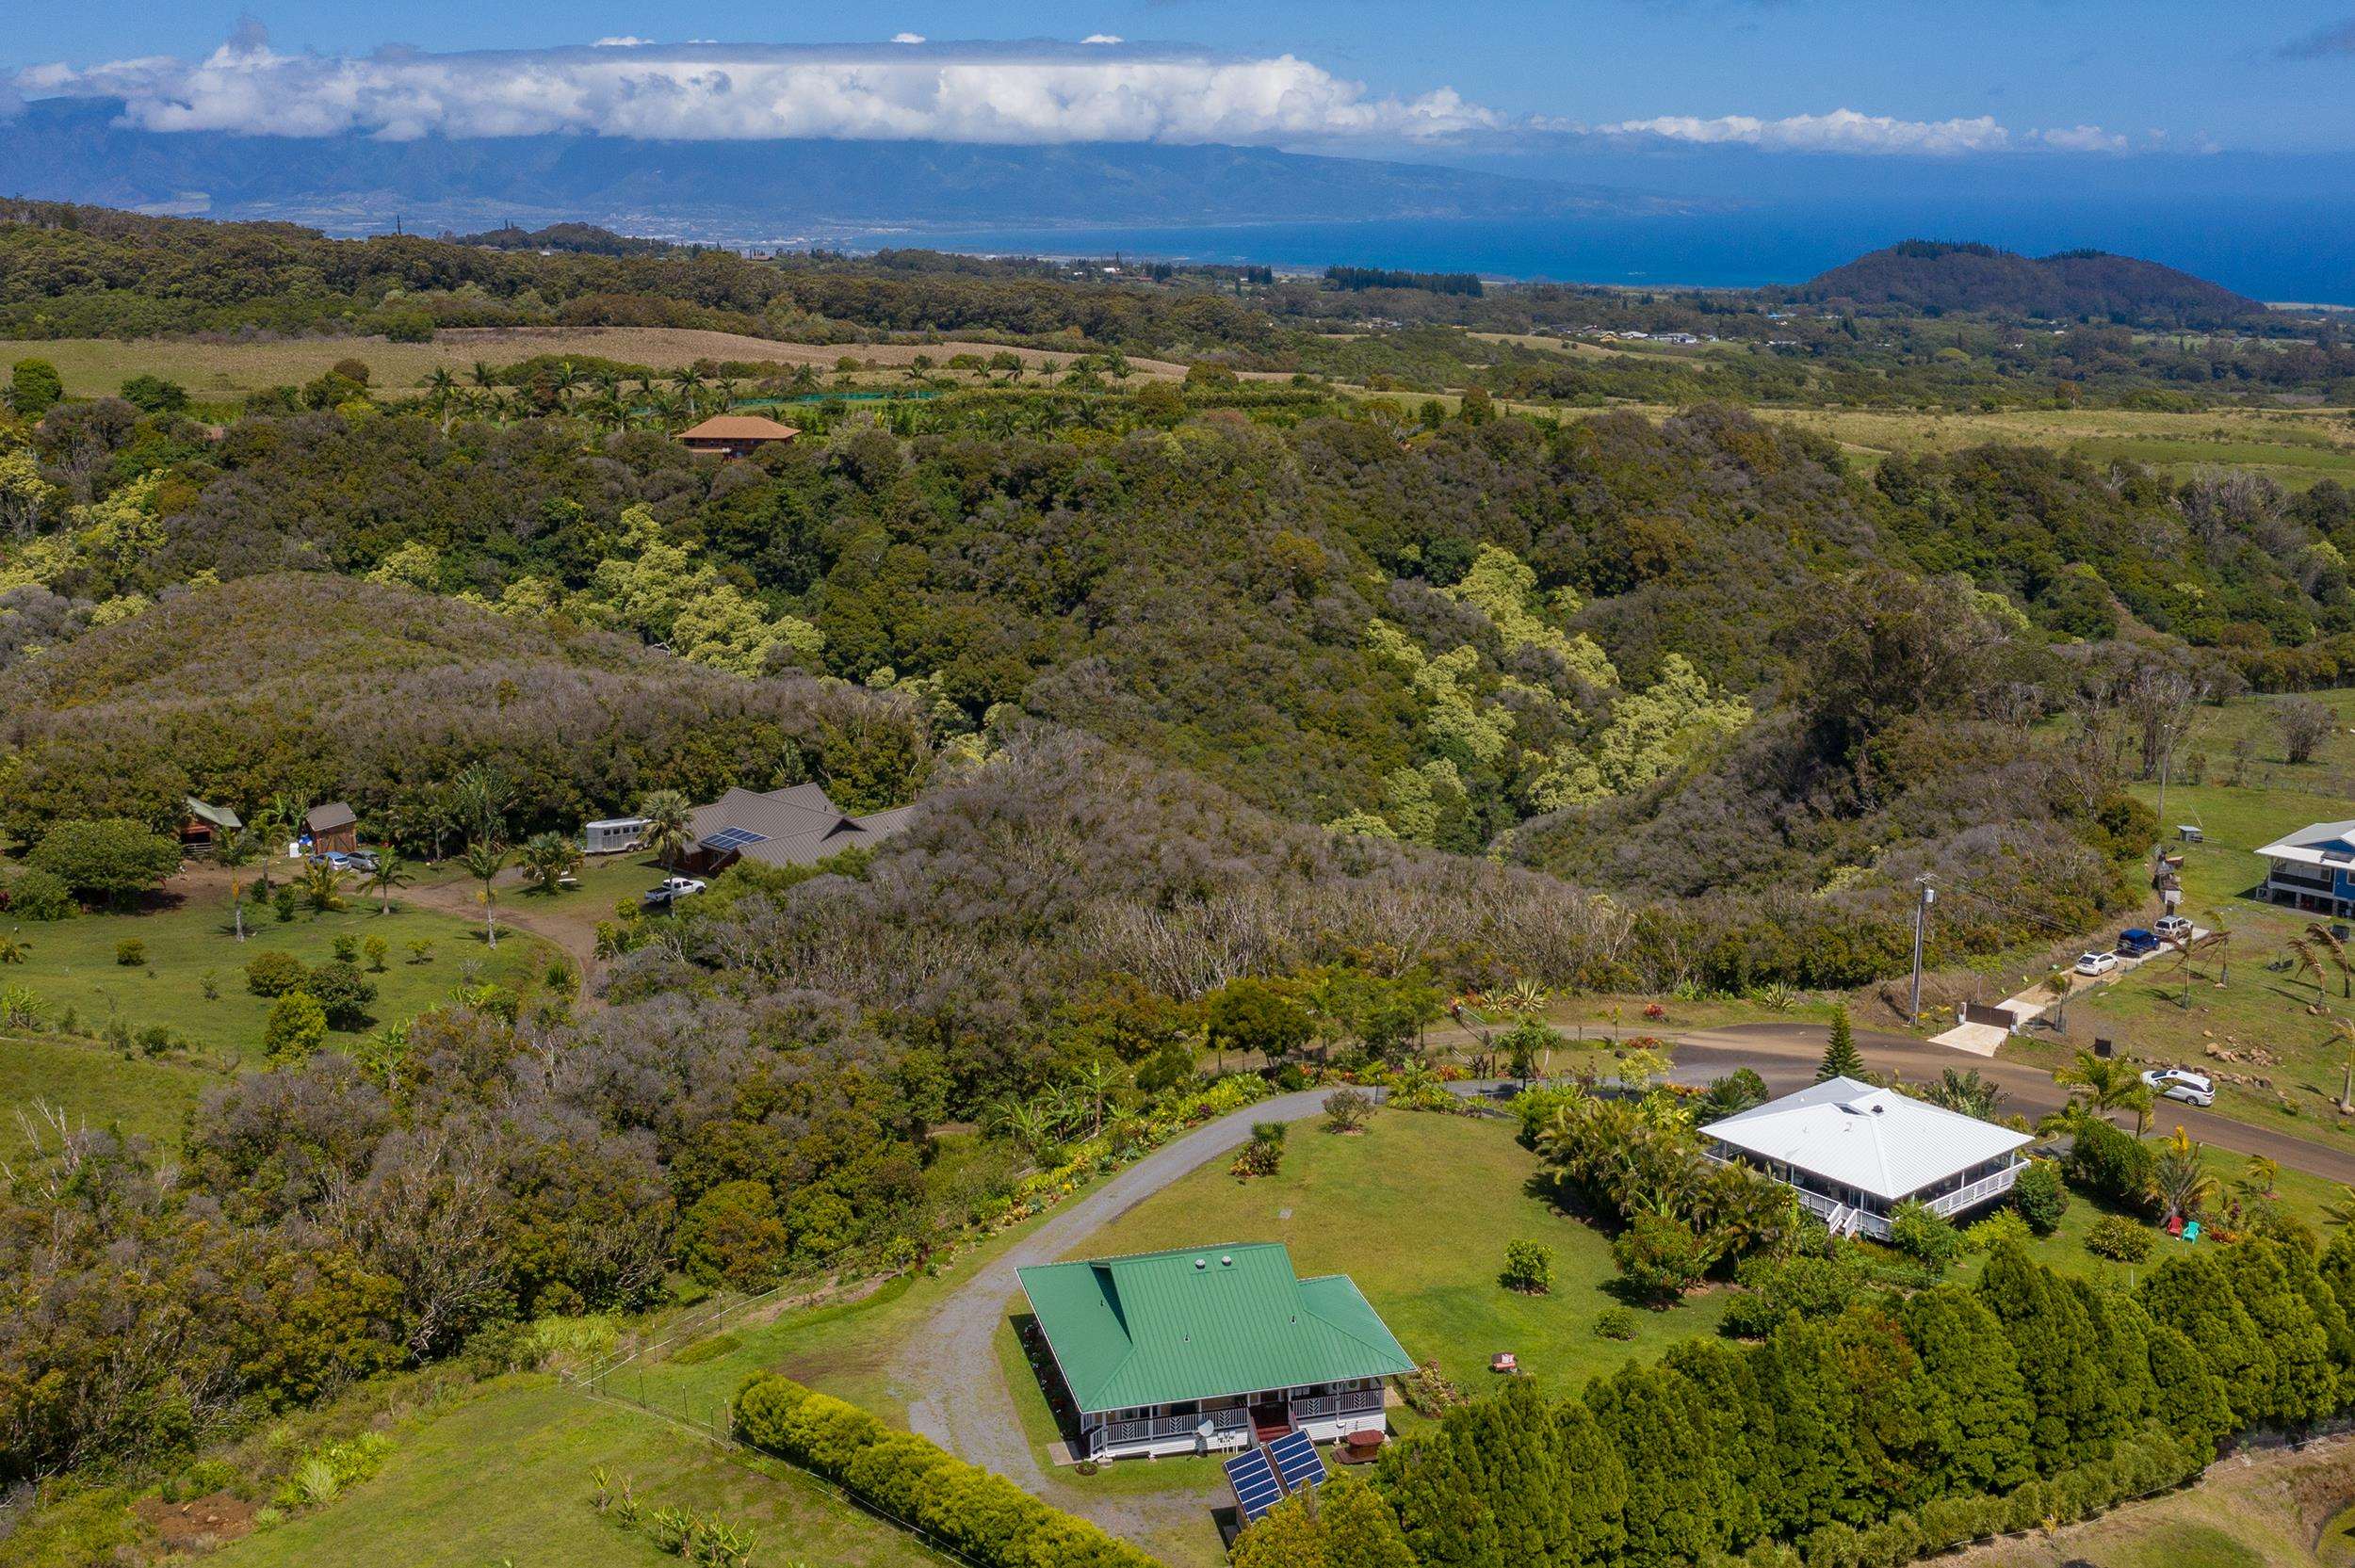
(984, 1517)
(2139, 1468)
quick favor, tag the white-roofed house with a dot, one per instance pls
(1854, 1152)
(2314, 868)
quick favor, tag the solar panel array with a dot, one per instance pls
(733, 838)
(1297, 1464)
(1256, 1490)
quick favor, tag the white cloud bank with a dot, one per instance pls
(1100, 89)
(907, 90)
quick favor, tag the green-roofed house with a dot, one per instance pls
(1210, 1349)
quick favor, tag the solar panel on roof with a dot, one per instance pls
(1297, 1463)
(1256, 1490)
(733, 838)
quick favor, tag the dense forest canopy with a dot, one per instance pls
(1930, 275)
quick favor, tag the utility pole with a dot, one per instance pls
(1926, 895)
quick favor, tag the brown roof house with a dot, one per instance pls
(333, 826)
(785, 826)
(734, 435)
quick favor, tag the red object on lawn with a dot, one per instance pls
(1503, 1362)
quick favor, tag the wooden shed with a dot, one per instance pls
(333, 826)
(734, 435)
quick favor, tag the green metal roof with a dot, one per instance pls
(1158, 1328)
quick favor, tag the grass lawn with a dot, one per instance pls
(1418, 1210)
(72, 965)
(504, 1478)
(93, 1083)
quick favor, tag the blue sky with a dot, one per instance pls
(1959, 78)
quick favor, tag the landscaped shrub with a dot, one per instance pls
(342, 992)
(2003, 1224)
(2114, 1236)
(1660, 1258)
(2039, 1197)
(1264, 1154)
(984, 1517)
(1348, 1111)
(1528, 1267)
(296, 1029)
(274, 974)
(1429, 1391)
(1925, 1238)
(1616, 1323)
(33, 894)
(131, 953)
(2111, 1164)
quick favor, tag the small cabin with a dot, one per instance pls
(331, 826)
(734, 435)
(206, 828)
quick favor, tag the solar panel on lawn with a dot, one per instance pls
(1256, 1490)
(1297, 1463)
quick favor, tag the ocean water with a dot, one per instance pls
(2276, 249)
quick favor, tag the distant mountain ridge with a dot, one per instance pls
(1936, 275)
(72, 150)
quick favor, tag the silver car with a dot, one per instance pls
(2182, 1084)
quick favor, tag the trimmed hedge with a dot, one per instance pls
(984, 1517)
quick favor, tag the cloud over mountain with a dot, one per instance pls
(989, 93)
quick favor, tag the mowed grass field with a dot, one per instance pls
(507, 1477)
(2295, 448)
(224, 372)
(1418, 1210)
(71, 964)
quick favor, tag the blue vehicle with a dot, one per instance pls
(2135, 942)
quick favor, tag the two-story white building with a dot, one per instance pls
(2313, 869)
(1854, 1152)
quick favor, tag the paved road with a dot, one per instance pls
(963, 1403)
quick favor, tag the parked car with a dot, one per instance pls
(2181, 1083)
(347, 860)
(2134, 942)
(670, 891)
(2172, 928)
(2096, 964)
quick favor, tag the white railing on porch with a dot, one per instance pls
(1121, 1434)
(1326, 1407)
(1978, 1193)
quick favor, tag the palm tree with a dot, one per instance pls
(551, 857)
(441, 391)
(666, 812)
(390, 872)
(2105, 1085)
(484, 860)
(2340, 1210)
(322, 886)
(484, 378)
(2329, 946)
(2311, 961)
(1966, 1093)
(2180, 1181)
(237, 848)
(2258, 1178)
(2221, 935)
(477, 801)
(2343, 1032)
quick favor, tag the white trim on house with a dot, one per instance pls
(1854, 1152)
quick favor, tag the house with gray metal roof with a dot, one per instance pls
(1207, 1349)
(798, 826)
(1852, 1152)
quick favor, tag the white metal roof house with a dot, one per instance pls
(1854, 1152)
(2314, 868)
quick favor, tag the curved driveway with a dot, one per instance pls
(962, 1401)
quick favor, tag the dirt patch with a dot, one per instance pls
(198, 1525)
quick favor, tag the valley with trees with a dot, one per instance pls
(1386, 769)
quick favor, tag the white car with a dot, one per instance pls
(2181, 1083)
(2171, 927)
(2096, 964)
